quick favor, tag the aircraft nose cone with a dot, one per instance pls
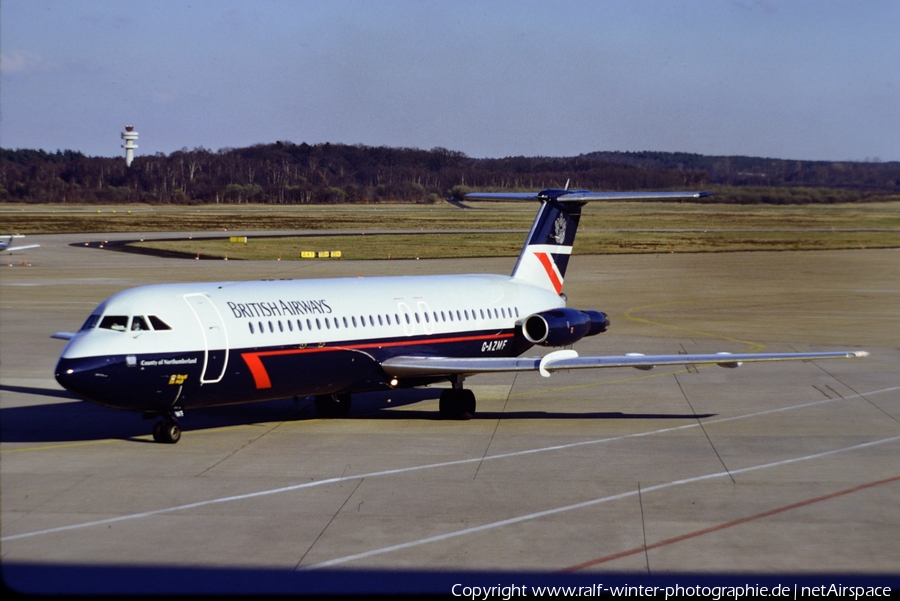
(75, 377)
(93, 379)
(112, 381)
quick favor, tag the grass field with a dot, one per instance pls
(605, 228)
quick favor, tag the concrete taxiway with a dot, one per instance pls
(789, 467)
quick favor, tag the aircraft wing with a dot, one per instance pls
(569, 359)
(12, 248)
(63, 335)
(582, 196)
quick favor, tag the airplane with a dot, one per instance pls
(163, 349)
(5, 242)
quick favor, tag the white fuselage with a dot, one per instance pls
(244, 338)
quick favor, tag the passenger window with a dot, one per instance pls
(380, 322)
(290, 325)
(397, 317)
(262, 330)
(250, 323)
(157, 323)
(371, 321)
(346, 325)
(280, 327)
(139, 324)
(354, 321)
(271, 327)
(90, 323)
(318, 324)
(299, 326)
(114, 322)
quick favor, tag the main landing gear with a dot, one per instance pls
(167, 430)
(333, 405)
(457, 402)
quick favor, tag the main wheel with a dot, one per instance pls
(467, 404)
(457, 404)
(333, 405)
(157, 431)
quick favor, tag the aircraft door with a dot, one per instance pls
(427, 323)
(215, 338)
(409, 326)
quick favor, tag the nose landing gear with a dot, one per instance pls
(167, 430)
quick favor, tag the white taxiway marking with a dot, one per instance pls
(546, 512)
(263, 493)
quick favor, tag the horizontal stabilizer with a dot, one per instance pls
(439, 366)
(580, 196)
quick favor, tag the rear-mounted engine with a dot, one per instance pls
(562, 327)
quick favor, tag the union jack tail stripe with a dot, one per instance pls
(544, 258)
(552, 270)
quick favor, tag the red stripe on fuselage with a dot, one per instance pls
(261, 376)
(547, 262)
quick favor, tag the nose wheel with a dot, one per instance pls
(167, 431)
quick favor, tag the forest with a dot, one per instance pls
(288, 173)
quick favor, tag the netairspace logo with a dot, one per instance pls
(716, 593)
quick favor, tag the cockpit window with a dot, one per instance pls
(114, 322)
(90, 323)
(139, 324)
(157, 323)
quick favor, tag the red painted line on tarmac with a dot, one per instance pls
(697, 533)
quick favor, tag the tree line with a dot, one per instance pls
(288, 173)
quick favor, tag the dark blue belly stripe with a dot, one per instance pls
(261, 375)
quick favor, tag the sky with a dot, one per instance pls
(798, 79)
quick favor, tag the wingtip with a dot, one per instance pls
(860, 354)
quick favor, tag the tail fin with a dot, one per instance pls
(545, 256)
(546, 253)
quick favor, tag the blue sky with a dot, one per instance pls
(790, 79)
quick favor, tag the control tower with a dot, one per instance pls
(130, 136)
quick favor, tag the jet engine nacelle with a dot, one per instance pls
(561, 327)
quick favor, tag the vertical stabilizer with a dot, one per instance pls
(545, 255)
